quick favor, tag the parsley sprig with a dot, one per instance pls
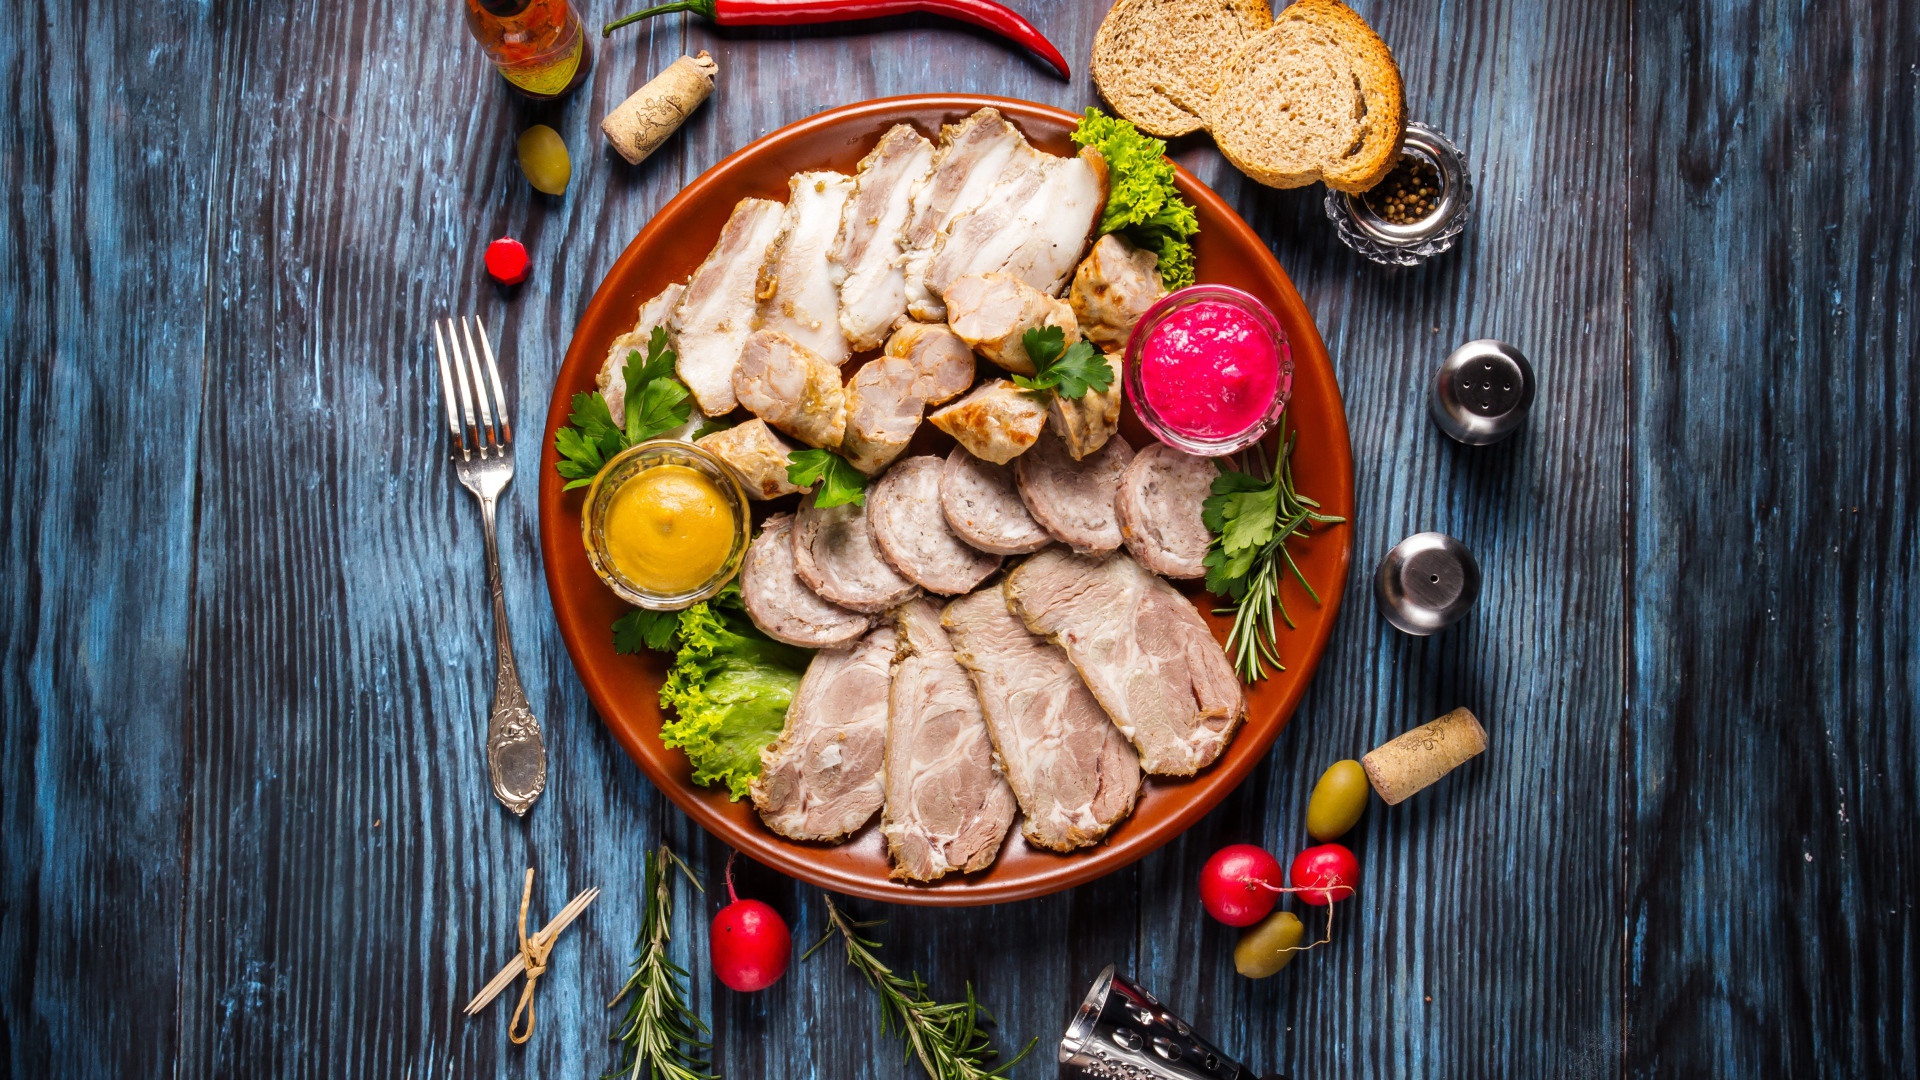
(1252, 515)
(1068, 370)
(660, 1037)
(947, 1037)
(656, 403)
(840, 483)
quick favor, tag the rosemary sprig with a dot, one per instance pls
(1253, 513)
(659, 1032)
(946, 1037)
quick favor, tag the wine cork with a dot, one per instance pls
(1418, 758)
(641, 123)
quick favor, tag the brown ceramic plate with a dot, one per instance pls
(625, 688)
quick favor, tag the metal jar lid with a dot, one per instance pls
(1482, 392)
(1380, 240)
(1427, 583)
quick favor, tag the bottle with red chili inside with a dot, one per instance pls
(538, 45)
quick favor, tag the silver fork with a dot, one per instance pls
(483, 459)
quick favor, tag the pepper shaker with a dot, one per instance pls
(1427, 583)
(1482, 392)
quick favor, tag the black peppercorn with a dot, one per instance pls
(1409, 193)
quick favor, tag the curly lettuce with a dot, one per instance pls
(1142, 203)
(729, 688)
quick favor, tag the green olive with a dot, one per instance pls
(1338, 801)
(1268, 945)
(543, 157)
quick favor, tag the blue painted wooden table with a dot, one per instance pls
(245, 642)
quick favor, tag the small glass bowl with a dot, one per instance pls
(1136, 388)
(630, 463)
(1381, 240)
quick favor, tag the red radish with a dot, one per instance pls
(507, 261)
(1324, 874)
(751, 944)
(1239, 884)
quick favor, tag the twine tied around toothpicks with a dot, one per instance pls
(531, 959)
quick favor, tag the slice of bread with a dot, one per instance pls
(1317, 97)
(1155, 61)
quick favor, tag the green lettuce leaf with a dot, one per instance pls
(1142, 203)
(729, 690)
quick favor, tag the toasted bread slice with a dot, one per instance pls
(1155, 61)
(1317, 97)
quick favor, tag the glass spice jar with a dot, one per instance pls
(539, 46)
(1417, 212)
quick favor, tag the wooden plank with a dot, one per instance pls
(1485, 937)
(1771, 848)
(102, 243)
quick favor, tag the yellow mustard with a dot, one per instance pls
(669, 529)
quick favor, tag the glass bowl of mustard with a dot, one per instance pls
(666, 525)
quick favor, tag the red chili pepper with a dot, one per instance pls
(982, 13)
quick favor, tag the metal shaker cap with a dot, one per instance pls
(1482, 392)
(1427, 583)
(1122, 1033)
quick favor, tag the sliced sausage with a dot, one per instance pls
(993, 312)
(782, 605)
(903, 510)
(982, 506)
(1159, 510)
(882, 413)
(834, 553)
(942, 362)
(789, 386)
(757, 454)
(1073, 500)
(998, 421)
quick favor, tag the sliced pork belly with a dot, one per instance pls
(1085, 423)
(789, 386)
(866, 255)
(993, 312)
(797, 291)
(612, 379)
(903, 510)
(1159, 509)
(834, 553)
(1073, 773)
(947, 807)
(982, 506)
(1115, 285)
(971, 156)
(784, 607)
(997, 422)
(823, 778)
(1035, 224)
(756, 454)
(716, 312)
(1143, 650)
(1073, 500)
(942, 361)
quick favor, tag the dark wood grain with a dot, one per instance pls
(1771, 840)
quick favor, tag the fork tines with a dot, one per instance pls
(480, 434)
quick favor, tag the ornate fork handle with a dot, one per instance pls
(516, 752)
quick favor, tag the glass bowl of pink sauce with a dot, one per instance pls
(1209, 370)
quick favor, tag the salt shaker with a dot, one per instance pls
(1427, 583)
(1482, 392)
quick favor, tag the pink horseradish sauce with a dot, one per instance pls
(1210, 370)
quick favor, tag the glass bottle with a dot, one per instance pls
(538, 45)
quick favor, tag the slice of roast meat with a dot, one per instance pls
(1115, 285)
(612, 379)
(947, 806)
(834, 553)
(824, 777)
(942, 362)
(715, 313)
(1073, 773)
(903, 510)
(1159, 510)
(1035, 223)
(798, 290)
(971, 156)
(982, 505)
(993, 312)
(1143, 650)
(791, 387)
(998, 421)
(758, 456)
(866, 254)
(1086, 423)
(1073, 500)
(882, 413)
(782, 605)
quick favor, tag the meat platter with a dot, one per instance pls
(624, 688)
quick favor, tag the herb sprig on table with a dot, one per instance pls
(1252, 515)
(840, 483)
(1070, 371)
(656, 403)
(660, 1034)
(947, 1037)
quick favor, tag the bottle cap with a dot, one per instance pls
(1427, 583)
(1482, 393)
